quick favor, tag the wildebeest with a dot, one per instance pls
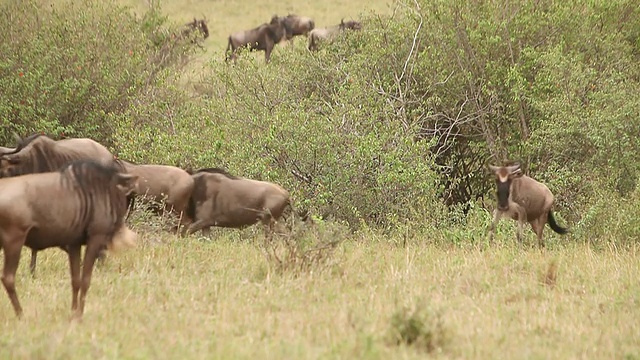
(39, 153)
(298, 25)
(316, 36)
(83, 203)
(523, 199)
(163, 183)
(200, 25)
(223, 200)
(263, 37)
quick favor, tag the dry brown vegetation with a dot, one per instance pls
(222, 298)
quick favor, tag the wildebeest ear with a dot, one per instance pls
(127, 183)
(494, 168)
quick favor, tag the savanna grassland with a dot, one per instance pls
(187, 298)
(383, 136)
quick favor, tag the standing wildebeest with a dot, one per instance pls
(263, 37)
(39, 153)
(163, 183)
(523, 199)
(327, 34)
(298, 25)
(83, 203)
(220, 199)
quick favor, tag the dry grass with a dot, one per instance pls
(187, 298)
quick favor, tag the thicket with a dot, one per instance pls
(389, 126)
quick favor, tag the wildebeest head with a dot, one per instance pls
(350, 25)
(200, 25)
(504, 177)
(19, 162)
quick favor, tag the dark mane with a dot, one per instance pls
(88, 174)
(217, 171)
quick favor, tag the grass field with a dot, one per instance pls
(195, 299)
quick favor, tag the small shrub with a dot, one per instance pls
(308, 247)
(416, 327)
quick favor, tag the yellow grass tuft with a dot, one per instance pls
(550, 276)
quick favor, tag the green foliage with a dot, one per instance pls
(79, 69)
(391, 126)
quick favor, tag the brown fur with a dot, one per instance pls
(319, 35)
(523, 199)
(82, 204)
(298, 25)
(262, 38)
(163, 183)
(220, 199)
(39, 153)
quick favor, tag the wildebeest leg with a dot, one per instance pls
(206, 231)
(492, 228)
(74, 266)
(267, 51)
(538, 227)
(94, 244)
(32, 264)
(12, 247)
(521, 219)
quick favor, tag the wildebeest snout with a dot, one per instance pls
(503, 195)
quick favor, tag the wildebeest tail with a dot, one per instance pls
(554, 225)
(190, 211)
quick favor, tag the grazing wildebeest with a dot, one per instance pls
(200, 25)
(523, 199)
(39, 153)
(163, 183)
(298, 25)
(327, 34)
(83, 203)
(223, 200)
(263, 37)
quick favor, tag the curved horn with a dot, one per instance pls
(513, 168)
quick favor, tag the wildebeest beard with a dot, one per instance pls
(503, 194)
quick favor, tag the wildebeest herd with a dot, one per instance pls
(265, 36)
(74, 192)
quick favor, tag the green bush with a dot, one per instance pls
(390, 127)
(80, 68)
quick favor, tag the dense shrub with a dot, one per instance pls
(385, 126)
(383, 121)
(80, 68)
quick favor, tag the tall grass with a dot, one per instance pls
(222, 298)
